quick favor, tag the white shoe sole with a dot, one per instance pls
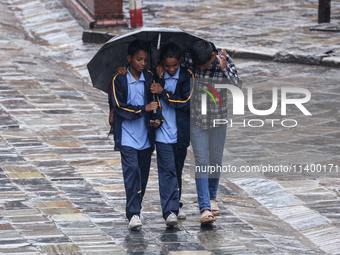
(136, 228)
(171, 222)
(136, 225)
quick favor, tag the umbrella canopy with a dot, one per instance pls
(113, 54)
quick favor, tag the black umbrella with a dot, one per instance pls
(113, 54)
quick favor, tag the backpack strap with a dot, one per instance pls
(112, 112)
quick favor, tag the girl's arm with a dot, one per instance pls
(181, 101)
(127, 111)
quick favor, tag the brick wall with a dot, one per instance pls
(104, 9)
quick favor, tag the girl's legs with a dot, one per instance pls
(168, 184)
(217, 138)
(136, 167)
(200, 145)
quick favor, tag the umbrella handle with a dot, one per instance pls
(154, 99)
(159, 41)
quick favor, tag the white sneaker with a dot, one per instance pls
(181, 214)
(135, 223)
(171, 220)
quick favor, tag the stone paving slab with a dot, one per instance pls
(61, 186)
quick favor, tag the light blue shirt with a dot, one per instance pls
(167, 133)
(134, 132)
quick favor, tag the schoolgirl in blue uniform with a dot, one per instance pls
(173, 137)
(133, 127)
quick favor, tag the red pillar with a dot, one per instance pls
(136, 14)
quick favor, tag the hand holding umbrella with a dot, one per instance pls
(151, 106)
(155, 88)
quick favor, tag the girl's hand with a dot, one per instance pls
(152, 106)
(223, 59)
(160, 71)
(121, 70)
(155, 123)
(156, 88)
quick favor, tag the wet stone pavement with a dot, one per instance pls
(278, 30)
(61, 187)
